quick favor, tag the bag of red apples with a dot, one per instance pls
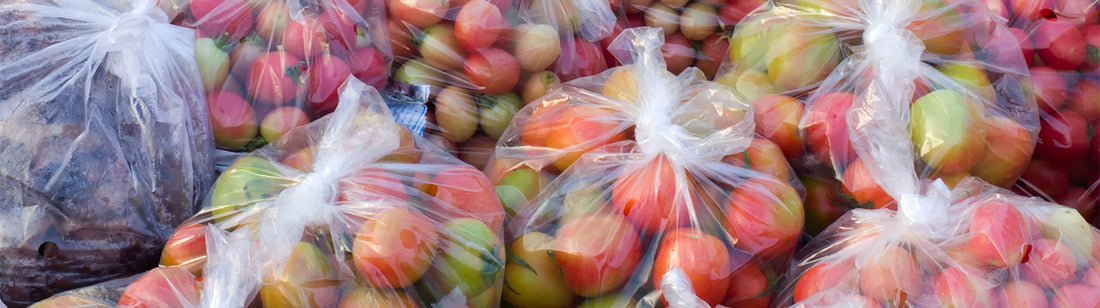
(351, 210)
(104, 142)
(271, 65)
(1060, 40)
(976, 245)
(640, 186)
(476, 62)
(941, 79)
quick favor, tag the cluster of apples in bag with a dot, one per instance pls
(1060, 41)
(477, 62)
(613, 183)
(974, 246)
(268, 66)
(946, 74)
(350, 210)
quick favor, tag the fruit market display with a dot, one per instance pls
(837, 83)
(975, 246)
(477, 62)
(104, 142)
(637, 173)
(350, 210)
(696, 32)
(1060, 41)
(268, 66)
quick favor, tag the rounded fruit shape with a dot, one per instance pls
(946, 128)
(777, 118)
(765, 215)
(826, 129)
(232, 119)
(1076, 295)
(371, 297)
(394, 247)
(861, 185)
(464, 191)
(456, 113)
(307, 280)
(369, 66)
(748, 287)
(478, 25)
(280, 121)
(532, 277)
(536, 46)
(538, 84)
(1050, 263)
(1050, 88)
(822, 276)
(326, 74)
(678, 53)
(698, 21)
(647, 195)
(439, 47)
(892, 277)
(660, 15)
(1014, 145)
(162, 287)
(959, 287)
(493, 70)
(999, 236)
(418, 13)
(186, 248)
(1022, 294)
(1042, 177)
(1059, 44)
(1063, 137)
(681, 248)
(597, 253)
(274, 77)
(762, 156)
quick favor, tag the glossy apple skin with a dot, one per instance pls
(597, 253)
(947, 131)
(162, 287)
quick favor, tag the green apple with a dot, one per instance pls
(456, 113)
(471, 259)
(971, 77)
(536, 46)
(800, 55)
(532, 277)
(614, 300)
(747, 45)
(247, 180)
(417, 72)
(749, 83)
(1066, 225)
(519, 186)
(496, 112)
(947, 130)
(212, 58)
(585, 197)
(308, 280)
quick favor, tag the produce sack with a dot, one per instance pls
(271, 65)
(1060, 41)
(633, 176)
(977, 245)
(476, 62)
(938, 79)
(106, 147)
(351, 210)
(696, 32)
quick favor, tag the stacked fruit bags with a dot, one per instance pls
(882, 77)
(477, 62)
(696, 32)
(633, 176)
(349, 210)
(105, 146)
(271, 65)
(1060, 41)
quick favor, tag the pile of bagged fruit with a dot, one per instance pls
(549, 153)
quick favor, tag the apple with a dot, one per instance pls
(864, 188)
(777, 117)
(1071, 230)
(464, 191)
(536, 46)
(609, 301)
(799, 55)
(212, 59)
(762, 156)
(371, 297)
(400, 39)
(947, 130)
(1059, 44)
(538, 84)
(492, 70)
(971, 77)
(478, 25)
(580, 129)
(307, 280)
(274, 78)
(597, 253)
(439, 47)
(892, 277)
(582, 60)
(1021, 294)
(162, 287)
(765, 215)
(186, 248)
(749, 83)
(733, 11)
(532, 277)
(998, 234)
(678, 53)
(369, 66)
(1042, 177)
(326, 74)
(271, 21)
(826, 129)
(249, 179)
(232, 120)
(1050, 262)
(394, 247)
(712, 51)
(940, 27)
(68, 300)
(698, 21)
(456, 113)
(1063, 136)
(660, 15)
(960, 287)
(1079, 199)
(647, 194)
(1075, 295)
(476, 151)
(1013, 148)
(418, 72)
(1084, 98)
(471, 259)
(418, 13)
(496, 111)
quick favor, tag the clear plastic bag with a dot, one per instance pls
(271, 65)
(1060, 41)
(476, 62)
(614, 180)
(350, 210)
(887, 84)
(974, 246)
(106, 146)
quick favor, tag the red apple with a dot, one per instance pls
(1059, 44)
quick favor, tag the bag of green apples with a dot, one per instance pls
(946, 75)
(105, 142)
(476, 62)
(271, 65)
(618, 182)
(350, 210)
(976, 245)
